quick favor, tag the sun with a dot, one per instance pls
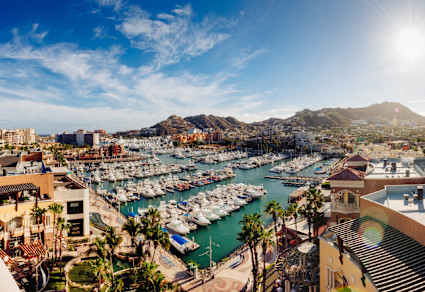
(410, 44)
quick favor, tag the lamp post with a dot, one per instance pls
(209, 252)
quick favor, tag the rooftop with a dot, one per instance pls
(393, 197)
(393, 260)
(378, 170)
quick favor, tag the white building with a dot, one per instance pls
(29, 136)
(307, 139)
(75, 199)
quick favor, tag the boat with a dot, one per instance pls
(179, 243)
(210, 215)
(200, 220)
(184, 206)
(177, 226)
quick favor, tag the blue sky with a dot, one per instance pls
(118, 64)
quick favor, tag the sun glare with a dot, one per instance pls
(410, 44)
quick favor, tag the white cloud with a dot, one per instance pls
(174, 36)
(241, 61)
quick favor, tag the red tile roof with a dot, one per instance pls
(358, 157)
(347, 174)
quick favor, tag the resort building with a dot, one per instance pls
(383, 249)
(18, 137)
(360, 177)
(19, 194)
(79, 138)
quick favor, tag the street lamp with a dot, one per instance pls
(209, 252)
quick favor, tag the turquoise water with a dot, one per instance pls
(223, 232)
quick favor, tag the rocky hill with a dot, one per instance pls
(175, 124)
(334, 117)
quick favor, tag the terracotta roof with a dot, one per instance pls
(32, 249)
(394, 261)
(347, 174)
(358, 157)
(4, 256)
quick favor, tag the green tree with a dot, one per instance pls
(100, 270)
(266, 244)
(38, 213)
(56, 209)
(273, 208)
(62, 226)
(133, 228)
(113, 240)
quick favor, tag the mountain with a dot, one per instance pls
(175, 124)
(333, 117)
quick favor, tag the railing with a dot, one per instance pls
(345, 205)
(37, 228)
(18, 231)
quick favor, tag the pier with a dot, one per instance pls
(296, 181)
(109, 160)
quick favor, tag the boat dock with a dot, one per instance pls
(326, 168)
(296, 181)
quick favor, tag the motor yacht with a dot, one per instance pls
(200, 220)
(177, 226)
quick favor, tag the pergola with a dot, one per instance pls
(17, 190)
(32, 249)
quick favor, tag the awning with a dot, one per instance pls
(33, 249)
(180, 240)
(6, 259)
(17, 188)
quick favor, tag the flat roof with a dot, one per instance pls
(393, 260)
(392, 197)
(377, 170)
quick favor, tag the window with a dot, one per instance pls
(75, 207)
(14, 223)
(77, 227)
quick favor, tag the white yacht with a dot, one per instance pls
(200, 220)
(177, 226)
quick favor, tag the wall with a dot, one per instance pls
(391, 217)
(373, 185)
(329, 257)
(64, 196)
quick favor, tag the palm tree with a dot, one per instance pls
(147, 278)
(294, 209)
(38, 213)
(133, 228)
(100, 270)
(159, 238)
(266, 244)
(62, 226)
(307, 211)
(284, 213)
(119, 286)
(113, 240)
(98, 246)
(252, 229)
(272, 209)
(57, 210)
(153, 216)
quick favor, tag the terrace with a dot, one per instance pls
(21, 193)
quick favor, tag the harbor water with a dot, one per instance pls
(223, 232)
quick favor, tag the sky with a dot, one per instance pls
(127, 64)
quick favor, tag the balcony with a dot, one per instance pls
(17, 231)
(339, 204)
(37, 228)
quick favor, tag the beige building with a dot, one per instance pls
(18, 137)
(383, 249)
(360, 177)
(19, 194)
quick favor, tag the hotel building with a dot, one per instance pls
(360, 177)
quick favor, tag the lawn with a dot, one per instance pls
(80, 274)
(55, 282)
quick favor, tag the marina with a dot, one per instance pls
(223, 231)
